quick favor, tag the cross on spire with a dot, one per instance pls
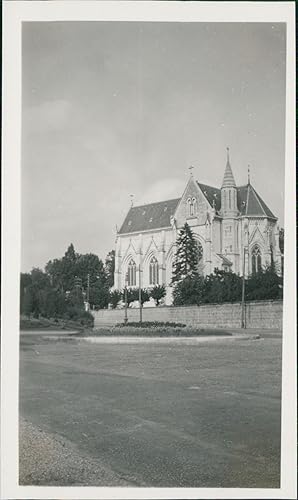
(248, 174)
(131, 199)
(191, 169)
(228, 155)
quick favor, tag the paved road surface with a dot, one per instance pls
(151, 415)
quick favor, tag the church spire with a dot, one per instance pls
(228, 180)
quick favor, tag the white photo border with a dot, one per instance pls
(14, 13)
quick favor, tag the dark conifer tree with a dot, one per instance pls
(186, 258)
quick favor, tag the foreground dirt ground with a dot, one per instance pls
(150, 415)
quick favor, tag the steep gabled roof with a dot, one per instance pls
(225, 260)
(158, 215)
(151, 216)
(228, 180)
(211, 194)
(251, 204)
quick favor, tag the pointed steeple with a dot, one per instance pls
(228, 180)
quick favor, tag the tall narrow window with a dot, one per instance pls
(191, 206)
(131, 273)
(153, 271)
(229, 198)
(256, 260)
(200, 251)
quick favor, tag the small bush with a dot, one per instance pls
(152, 324)
(158, 293)
(114, 298)
(160, 331)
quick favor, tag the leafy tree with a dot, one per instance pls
(222, 286)
(281, 240)
(133, 295)
(69, 267)
(54, 270)
(27, 302)
(114, 298)
(264, 285)
(186, 257)
(25, 281)
(75, 298)
(90, 265)
(158, 292)
(189, 291)
(145, 295)
(99, 295)
(110, 268)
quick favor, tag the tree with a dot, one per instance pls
(25, 282)
(281, 240)
(222, 286)
(189, 291)
(54, 270)
(145, 295)
(99, 294)
(114, 298)
(158, 292)
(132, 295)
(186, 280)
(27, 303)
(186, 257)
(89, 265)
(110, 268)
(264, 285)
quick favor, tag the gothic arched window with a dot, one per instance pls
(200, 251)
(256, 260)
(131, 273)
(191, 206)
(153, 271)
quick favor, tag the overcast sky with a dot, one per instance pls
(115, 108)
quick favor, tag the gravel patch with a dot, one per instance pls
(48, 459)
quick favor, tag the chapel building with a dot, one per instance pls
(235, 231)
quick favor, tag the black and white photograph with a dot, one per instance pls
(151, 251)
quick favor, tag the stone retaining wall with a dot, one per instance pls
(260, 314)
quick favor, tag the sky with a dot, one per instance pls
(113, 109)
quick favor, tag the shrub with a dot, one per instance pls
(158, 293)
(114, 298)
(152, 324)
(189, 291)
(133, 295)
(85, 318)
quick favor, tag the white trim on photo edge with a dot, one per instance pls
(13, 15)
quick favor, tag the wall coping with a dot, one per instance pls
(194, 306)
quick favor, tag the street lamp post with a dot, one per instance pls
(140, 294)
(125, 299)
(243, 293)
(88, 291)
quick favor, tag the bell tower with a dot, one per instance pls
(229, 192)
(229, 213)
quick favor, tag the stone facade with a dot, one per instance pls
(234, 228)
(258, 314)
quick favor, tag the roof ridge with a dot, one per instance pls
(257, 197)
(247, 198)
(207, 185)
(155, 203)
(228, 179)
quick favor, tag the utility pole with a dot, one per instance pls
(243, 293)
(140, 293)
(125, 299)
(88, 290)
